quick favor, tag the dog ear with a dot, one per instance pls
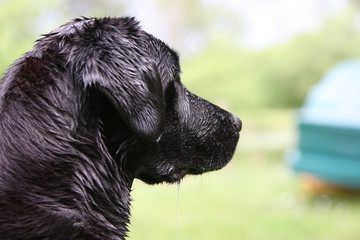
(136, 95)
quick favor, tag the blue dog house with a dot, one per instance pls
(329, 128)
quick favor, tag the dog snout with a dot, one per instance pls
(237, 123)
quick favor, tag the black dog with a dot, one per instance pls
(95, 104)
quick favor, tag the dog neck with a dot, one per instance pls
(104, 197)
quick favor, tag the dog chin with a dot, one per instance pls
(174, 176)
(177, 174)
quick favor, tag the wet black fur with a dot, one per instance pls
(95, 104)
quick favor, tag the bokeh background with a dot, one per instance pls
(256, 58)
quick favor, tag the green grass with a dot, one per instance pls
(249, 199)
(255, 197)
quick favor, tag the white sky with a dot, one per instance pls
(270, 22)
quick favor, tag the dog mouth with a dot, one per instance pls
(179, 173)
(176, 174)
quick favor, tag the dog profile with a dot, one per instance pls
(94, 105)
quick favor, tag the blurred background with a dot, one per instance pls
(256, 58)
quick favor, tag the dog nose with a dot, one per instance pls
(237, 123)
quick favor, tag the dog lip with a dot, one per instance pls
(179, 173)
(182, 172)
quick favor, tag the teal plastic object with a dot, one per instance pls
(329, 128)
(330, 153)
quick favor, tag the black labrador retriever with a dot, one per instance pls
(95, 104)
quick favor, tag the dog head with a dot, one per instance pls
(151, 124)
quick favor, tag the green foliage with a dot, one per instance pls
(19, 27)
(276, 77)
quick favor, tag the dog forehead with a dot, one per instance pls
(164, 56)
